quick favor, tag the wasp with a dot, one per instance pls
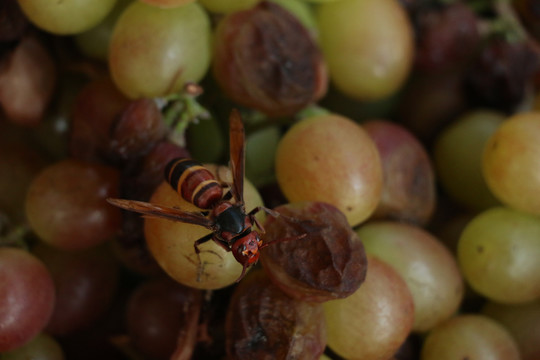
(223, 213)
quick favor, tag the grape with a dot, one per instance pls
(430, 102)
(206, 141)
(108, 127)
(264, 323)
(219, 6)
(171, 243)
(529, 14)
(523, 323)
(41, 347)
(510, 162)
(154, 52)
(264, 58)
(447, 36)
(13, 24)
(408, 192)
(458, 158)
(260, 155)
(26, 297)
(77, 191)
(168, 3)
(138, 129)
(85, 283)
(95, 109)
(501, 73)
(19, 164)
(162, 317)
(375, 320)
(498, 254)
(27, 81)
(94, 42)
(469, 337)
(66, 17)
(373, 38)
(330, 158)
(328, 263)
(303, 12)
(428, 268)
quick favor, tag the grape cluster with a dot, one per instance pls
(393, 144)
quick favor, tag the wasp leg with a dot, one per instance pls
(198, 251)
(254, 220)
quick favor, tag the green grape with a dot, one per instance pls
(523, 323)
(66, 17)
(458, 158)
(302, 11)
(167, 3)
(368, 46)
(229, 6)
(428, 267)
(206, 141)
(41, 347)
(470, 337)
(95, 41)
(373, 322)
(332, 159)
(154, 52)
(510, 163)
(498, 253)
(260, 154)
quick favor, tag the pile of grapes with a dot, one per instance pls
(392, 145)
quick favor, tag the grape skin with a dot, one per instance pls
(27, 297)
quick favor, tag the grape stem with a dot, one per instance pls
(181, 109)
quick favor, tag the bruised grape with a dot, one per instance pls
(328, 263)
(266, 59)
(408, 192)
(264, 323)
(162, 317)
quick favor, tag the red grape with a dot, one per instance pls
(26, 297)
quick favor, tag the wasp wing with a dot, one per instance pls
(164, 212)
(237, 153)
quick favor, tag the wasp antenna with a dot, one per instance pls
(290, 238)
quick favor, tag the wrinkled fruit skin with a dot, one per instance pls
(328, 263)
(266, 59)
(264, 323)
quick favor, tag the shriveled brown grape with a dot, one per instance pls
(266, 59)
(328, 263)
(264, 323)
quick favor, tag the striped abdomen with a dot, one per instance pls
(193, 182)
